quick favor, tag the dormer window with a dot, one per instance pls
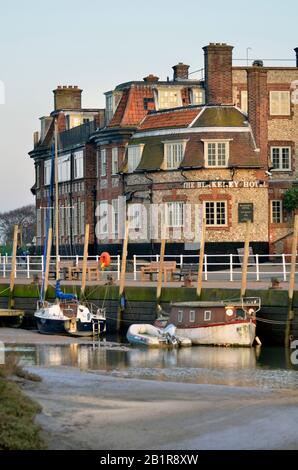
(134, 155)
(174, 153)
(216, 153)
(169, 98)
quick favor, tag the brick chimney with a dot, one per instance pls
(218, 73)
(68, 97)
(258, 108)
(296, 51)
(151, 78)
(180, 71)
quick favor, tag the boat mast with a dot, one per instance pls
(56, 200)
(245, 259)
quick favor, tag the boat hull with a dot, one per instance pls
(152, 337)
(228, 334)
(61, 327)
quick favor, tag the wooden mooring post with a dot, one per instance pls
(122, 278)
(201, 259)
(245, 259)
(291, 284)
(85, 259)
(160, 271)
(13, 266)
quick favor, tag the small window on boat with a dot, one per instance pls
(192, 316)
(180, 316)
(207, 315)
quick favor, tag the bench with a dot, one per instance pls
(169, 267)
(64, 268)
(188, 270)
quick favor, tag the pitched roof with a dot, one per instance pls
(179, 117)
(221, 116)
(197, 124)
(131, 110)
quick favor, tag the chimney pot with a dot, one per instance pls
(258, 63)
(151, 78)
(180, 71)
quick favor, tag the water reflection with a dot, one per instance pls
(265, 367)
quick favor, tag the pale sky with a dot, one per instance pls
(98, 44)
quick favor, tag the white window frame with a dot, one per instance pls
(177, 217)
(109, 107)
(180, 316)
(280, 111)
(200, 91)
(280, 148)
(104, 212)
(115, 217)
(82, 218)
(169, 146)
(216, 224)
(103, 163)
(64, 168)
(78, 165)
(134, 211)
(168, 90)
(114, 161)
(47, 172)
(192, 316)
(134, 155)
(216, 142)
(207, 317)
(244, 101)
(272, 211)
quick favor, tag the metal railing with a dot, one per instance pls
(28, 266)
(226, 267)
(216, 267)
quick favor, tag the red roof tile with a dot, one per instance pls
(130, 110)
(176, 118)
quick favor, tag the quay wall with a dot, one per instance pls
(141, 305)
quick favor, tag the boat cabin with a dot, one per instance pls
(194, 314)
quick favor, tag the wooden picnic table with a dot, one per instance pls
(70, 270)
(169, 269)
(93, 271)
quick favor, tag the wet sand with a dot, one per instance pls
(84, 410)
(96, 410)
(32, 337)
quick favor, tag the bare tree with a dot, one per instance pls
(25, 217)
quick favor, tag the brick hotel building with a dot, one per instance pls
(227, 143)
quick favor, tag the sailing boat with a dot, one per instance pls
(66, 315)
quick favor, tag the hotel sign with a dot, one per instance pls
(245, 212)
(224, 184)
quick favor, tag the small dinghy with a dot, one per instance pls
(149, 335)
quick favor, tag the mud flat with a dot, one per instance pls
(84, 410)
(33, 337)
